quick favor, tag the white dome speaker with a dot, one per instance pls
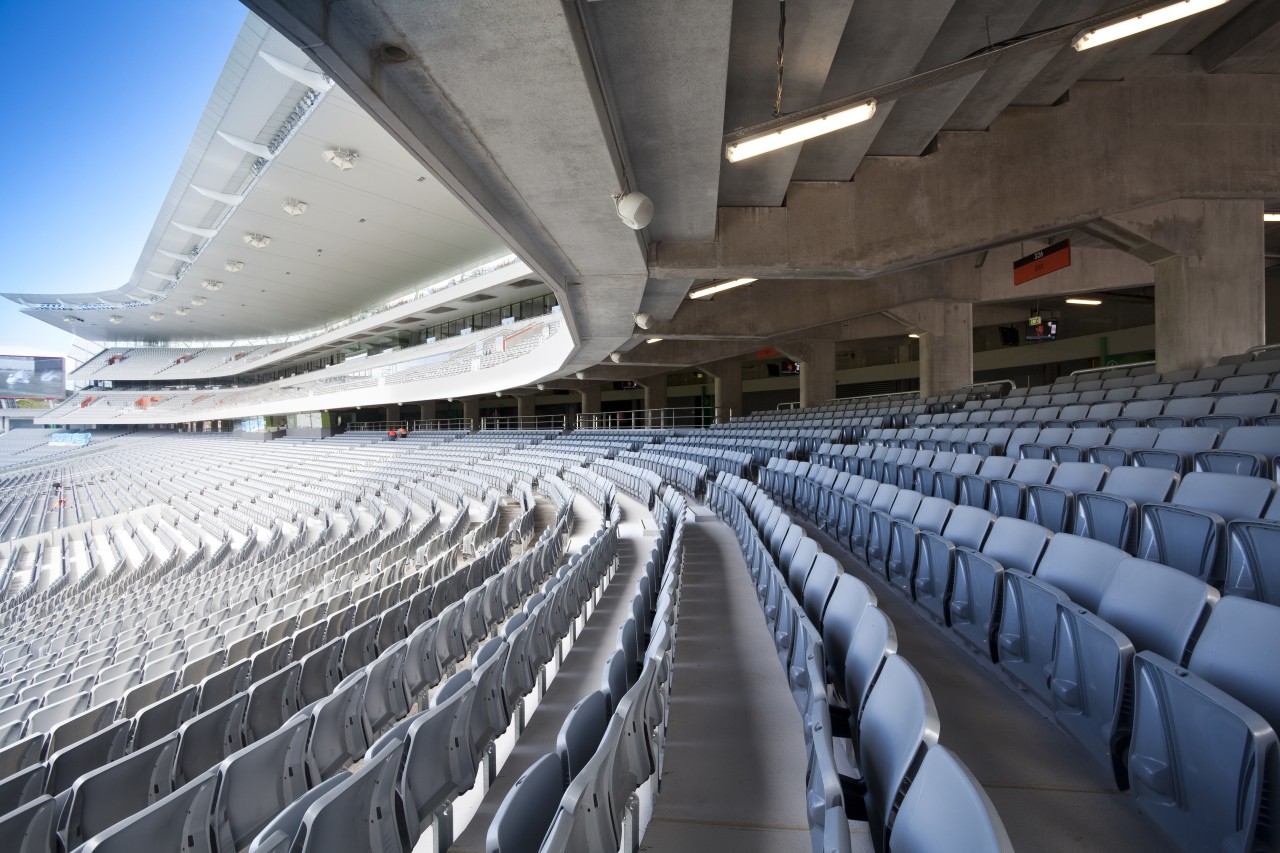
(635, 209)
(644, 321)
(615, 357)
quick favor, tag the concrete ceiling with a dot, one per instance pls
(536, 114)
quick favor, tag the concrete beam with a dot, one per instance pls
(766, 310)
(1112, 147)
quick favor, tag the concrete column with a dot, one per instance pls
(392, 413)
(471, 410)
(817, 360)
(526, 405)
(655, 391)
(946, 350)
(1211, 297)
(728, 388)
(590, 398)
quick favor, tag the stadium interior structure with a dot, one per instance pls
(487, 453)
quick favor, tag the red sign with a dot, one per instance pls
(1047, 260)
(768, 353)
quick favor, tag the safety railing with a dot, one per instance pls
(523, 422)
(678, 417)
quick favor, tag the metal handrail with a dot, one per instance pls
(1127, 366)
(376, 426)
(523, 422)
(444, 424)
(667, 418)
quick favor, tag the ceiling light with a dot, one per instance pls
(653, 341)
(293, 207)
(211, 285)
(257, 241)
(233, 266)
(198, 301)
(115, 318)
(341, 159)
(1141, 23)
(718, 288)
(70, 319)
(182, 312)
(1077, 300)
(156, 315)
(915, 335)
(1271, 217)
(801, 130)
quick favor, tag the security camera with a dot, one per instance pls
(635, 209)
(644, 321)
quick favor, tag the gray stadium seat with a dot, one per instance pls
(257, 782)
(102, 798)
(223, 684)
(1111, 515)
(179, 822)
(873, 640)
(437, 763)
(159, 718)
(20, 788)
(339, 728)
(946, 808)
(1188, 531)
(284, 831)
(898, 724)
(1145, 607)
(522, 820)
(1052, 505)
(209, 737)
(580, 735)
(385, 699)
(1246, 450)
(84, 755)
(1073, 569)
(966, 527)
(1175, 448)
(29, 829)
(1007, 497)
(321, 672)
(1204, 759)
(978, 583)
(900, 562)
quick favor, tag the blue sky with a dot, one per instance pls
(99, 104)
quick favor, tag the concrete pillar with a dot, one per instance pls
(655, 399)
(471, 411)
(728, 388)
(946, 350)
(392, 413)
(1211, 297)
(817, 360)
(590, 398)
(526, 405)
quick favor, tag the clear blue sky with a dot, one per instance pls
(98, 106)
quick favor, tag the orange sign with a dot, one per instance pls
(1047, 260)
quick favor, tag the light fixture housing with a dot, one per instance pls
(294, 207)
(211, 285)
(341, 159)
(156, 315)
(257, 241)
(915, 335)
(198, 301)
(713, 289)
(799, 131)
(72, 319)
(653, 340)
(1135, 24)
(1080, 300)
(115, 318)
(233, 266)
(1271, 216)
(182, 312)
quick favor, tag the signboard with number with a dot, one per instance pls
(1047, 260)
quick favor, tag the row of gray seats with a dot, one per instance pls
(221, 726)
(1110, 644)
(585, 795)
(878, 717)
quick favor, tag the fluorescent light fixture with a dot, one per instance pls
(341, 158)
(293, 207)
(1141, 23)
(913, 335)
(1271, 217)
(653, 340)
(257, 241)
(211, 285)
(712, 290)
(800, 131)
(233, 266)
(1077, 300)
